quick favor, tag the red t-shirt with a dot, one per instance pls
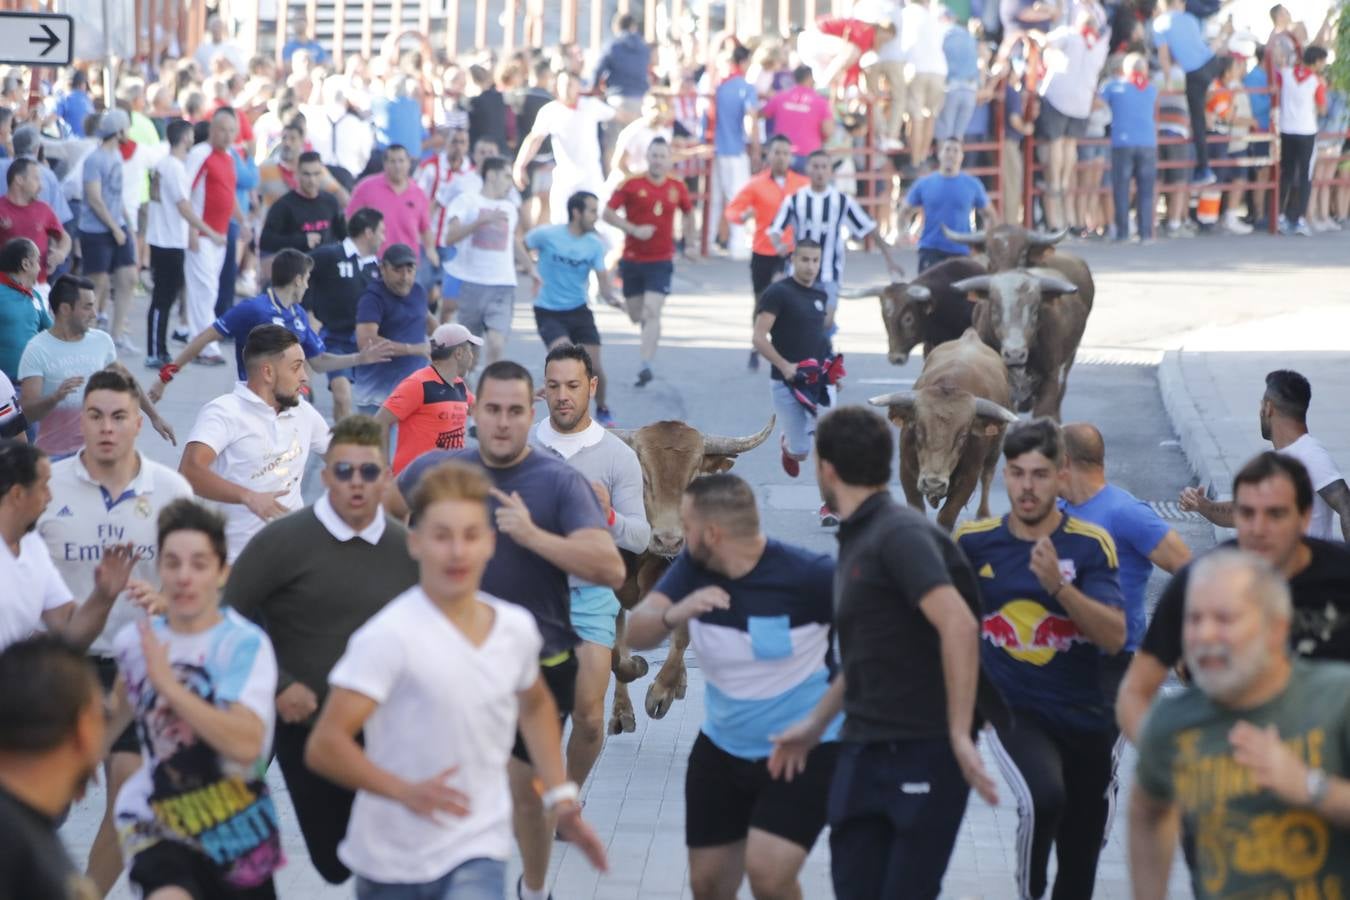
(857, 32)
(646, 203)
(432, 414)
(217, 179)
(36, 221)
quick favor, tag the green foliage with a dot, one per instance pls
(1339, 70)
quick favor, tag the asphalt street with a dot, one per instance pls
(1148, 299)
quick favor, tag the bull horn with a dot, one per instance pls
(970, 238)
(862, 293)
(974, 284)
(1046, 238)
(1056, 284)
(988, 409)
(918, 292)
(901, 401)
(732, 446)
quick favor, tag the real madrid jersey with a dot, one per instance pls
(1030, 647)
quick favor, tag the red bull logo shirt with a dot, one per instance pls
(1030, 647)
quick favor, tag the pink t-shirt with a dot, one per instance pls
(406, 212)
(797, 114)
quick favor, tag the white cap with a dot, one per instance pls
(452, 334)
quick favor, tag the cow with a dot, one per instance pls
(672, 454)
(1009, 246)
(1035, 318)
(951, 426)
(927, 310)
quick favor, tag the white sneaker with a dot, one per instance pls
(1233, 225)
(1302, 229)
(246, 285)
(1318, 226)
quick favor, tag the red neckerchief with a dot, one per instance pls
(1090, 35)
(7, 280)
(1139, 80)
(127, 148)
(1302, 73)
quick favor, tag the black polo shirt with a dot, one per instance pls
(890, 557)
(798, 330)
(336, 284)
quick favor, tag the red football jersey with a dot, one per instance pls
(646, 203)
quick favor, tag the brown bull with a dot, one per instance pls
(927, 310)
(951, 426)
(1010, 246)
(672, 454)
(1035, 319)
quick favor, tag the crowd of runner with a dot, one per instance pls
(409, 646)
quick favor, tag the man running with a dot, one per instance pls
(759, 614)
(306, 216)
(570, 124)
(649, 203)
(459, 668)
(248, 448)
(1052, 606)
(431, 406)
(549, 525)
(947, 198)
(355, 559)
(615, 473)
(393, 313)
(108, 491)
(761, 198)
(568, 254)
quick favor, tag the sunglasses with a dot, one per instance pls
(370, 472)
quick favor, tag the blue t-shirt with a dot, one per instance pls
(398, 121)
(963, 57)
(402, 320)
(946, 201)
(767, 659)
(246, 177)
(734, 99)
(243, 317)
(1030, 647)
(74, 108)
(1257, 79)
(565, 264)
(1137, 531)
(317, 54)
(1180, 31)
(105, 167)
(1132, 120)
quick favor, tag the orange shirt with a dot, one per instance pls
(763, 196)
(432, 414)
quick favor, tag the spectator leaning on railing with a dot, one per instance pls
(1134, 145)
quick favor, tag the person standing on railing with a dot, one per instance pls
(1134, 145)
(1303, 97)
(947, 197)
(1179, 35)
(802, 116)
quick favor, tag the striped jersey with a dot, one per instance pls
(822, 217)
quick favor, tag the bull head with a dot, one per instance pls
(1010, 311)
(904, 309)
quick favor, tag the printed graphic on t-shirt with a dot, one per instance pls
(494, 236)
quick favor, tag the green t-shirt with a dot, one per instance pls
(1248, 843)
(144, 133)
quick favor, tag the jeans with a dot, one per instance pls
(477, 879)
(957, 111)
(1197, 87)
(796, 421)
(1141, 164)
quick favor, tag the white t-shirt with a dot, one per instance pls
(442, 702)
(11, 412)
(576, 143)
(54, 360)
(488, 255)
(1322, 471)
(1298, 102)
(1072, 69)
(83, 519)
(921, 33)
(260, 449)
(633, 142)
(165, 226)
(568, 445)
(32, 585)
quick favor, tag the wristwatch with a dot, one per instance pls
(1318, 785)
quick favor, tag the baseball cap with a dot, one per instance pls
(399, 255)
(115, 121)
(452, 334)
(26, 141)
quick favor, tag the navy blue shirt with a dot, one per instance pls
(561, 501)
(624, 66)
(1030, 647)
(946, 201)
(402, 320)
(243, 317)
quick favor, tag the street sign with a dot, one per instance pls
(36, 39)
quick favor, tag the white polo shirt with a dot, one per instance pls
(31, 587)
(259, 449)
(83, 519)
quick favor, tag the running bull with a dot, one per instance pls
(951, 426)
(672, 454)
(927, 310)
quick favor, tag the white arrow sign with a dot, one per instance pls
(36, 39)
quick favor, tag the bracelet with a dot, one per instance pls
(561, 793)
(167, 372)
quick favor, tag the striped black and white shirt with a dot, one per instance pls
(822, 217)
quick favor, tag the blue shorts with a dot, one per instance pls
(339, 345)
(645, 277)
(102, 256)
(593, 612)
(449, 283)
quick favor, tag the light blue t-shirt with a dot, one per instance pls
(1180, 31)
(963, 56)
(1132, 121)
(105, 167)
(55, 360)
(735, 98)
(1137, 531)
(565, 264)
(1257, 80)
(946, 201)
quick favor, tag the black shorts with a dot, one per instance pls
(561, 681)
(167, 864)
(127, 741)
(763, 270)
(1176, 153)
(1052, 124)
(725, 796)
(102, 255)
(577, 325)
(645, 277)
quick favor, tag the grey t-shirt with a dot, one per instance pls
(105, 167)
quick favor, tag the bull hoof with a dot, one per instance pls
(659, 700)
(622, 723)
(631, 669)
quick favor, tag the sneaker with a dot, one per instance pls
(246, 285)
(827, 517)
(603, 416)
(1204, 178)
(1302, 229)
(156, 362)
(1173, 229)
(1233, 225)
(644, 377)
(216, 360)
(126, 345)
(520, 887)
(791, 465)
(1283, 225)
(180, 336)
(753, 364)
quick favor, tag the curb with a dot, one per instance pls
(1198, 442)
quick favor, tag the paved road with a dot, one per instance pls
(1148, 299)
